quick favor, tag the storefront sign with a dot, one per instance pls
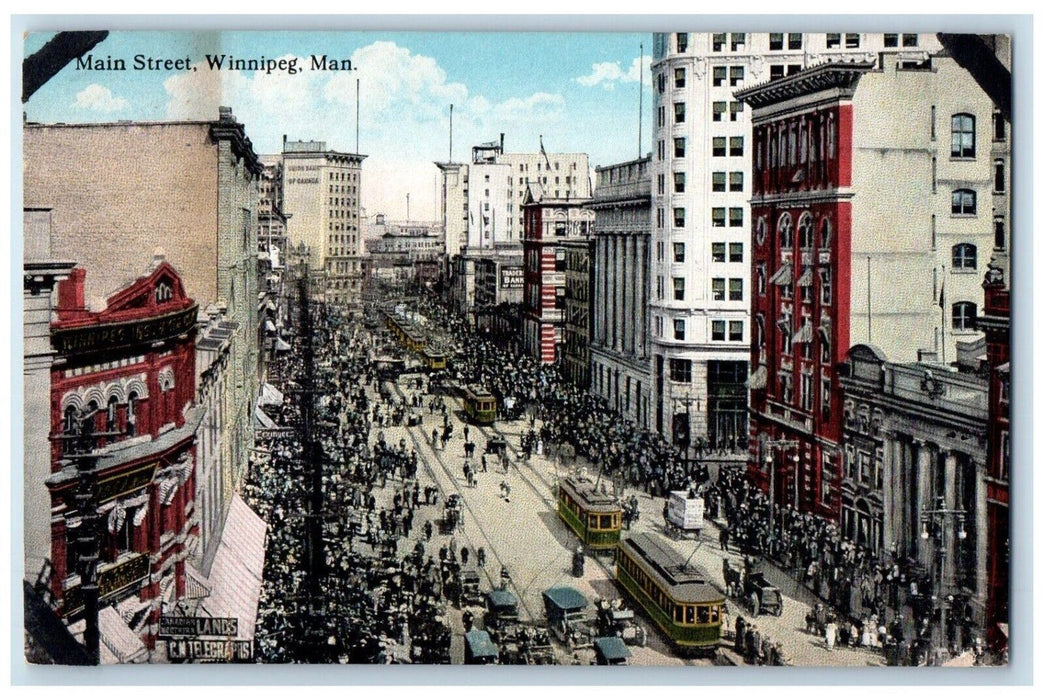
(511, 278)
(112, 578)
(108, 336)
(125, 481)
(227, 650)
(195, 627)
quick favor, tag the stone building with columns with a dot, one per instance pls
(620, 365)
(914, 483)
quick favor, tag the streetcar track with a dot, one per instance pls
(496, 555)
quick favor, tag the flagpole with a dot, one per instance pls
(641, 90)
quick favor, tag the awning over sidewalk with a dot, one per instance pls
(261, 420)
(270, 396)
(120, 640)
(235, 576)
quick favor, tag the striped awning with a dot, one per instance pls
(759, 379)
(804, 334)
(784, 275)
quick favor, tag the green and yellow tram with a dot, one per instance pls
(676, 596)
(480, 405)
(593, 516)
(433, 360)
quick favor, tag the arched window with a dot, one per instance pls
(825, 234)
(760, 229)
(963, 202)
(110, 415)
(964, 256)
(69, 426)
(962, 136)
(963, 316)
(805, 231)
(132, 417)
(786, 232)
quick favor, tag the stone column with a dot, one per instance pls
(923, 498)
(888, 490)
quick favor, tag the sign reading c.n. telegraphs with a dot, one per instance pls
(108, 336)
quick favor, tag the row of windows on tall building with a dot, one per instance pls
(779, 41)
(718, 252)
(721, 331)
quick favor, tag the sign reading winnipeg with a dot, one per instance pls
(345, 349)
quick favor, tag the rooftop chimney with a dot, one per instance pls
(70, 292)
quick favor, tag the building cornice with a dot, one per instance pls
(839, 76)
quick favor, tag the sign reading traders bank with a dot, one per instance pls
(108, 336)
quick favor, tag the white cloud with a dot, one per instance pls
(609, 73)
(404, 116)
(99, 98)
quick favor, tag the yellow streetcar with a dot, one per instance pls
(676, 596)
(480, 405)
(433, 360)
(593, 516)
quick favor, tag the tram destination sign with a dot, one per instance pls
(196, 627)
(226, 650)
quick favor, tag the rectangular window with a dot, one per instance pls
(660, 149)
(793, 68)
(679, 112)
(998, 177)
(794, 42)
(962, 136)
(718, 182)
(826, 289)
(963, 203)
(679, 77)
(681, 370)
(833, 41)
(718, 146)
(679, 329)
(736, 146)
(719, 75)
(718, 41)
(736, 181)
(682, 41)
(718, 289)
(891, 41)
(719, 111)
(679, 147)
(679, 182)
(735, 109)
(776, 72)
(735, 289)
(998, 127)
(679, 252)
(909, 40)
(735, 76)
(736, 217)
(661, 183)
(775, 42)
(659, 286)
(659, 217)
(786, 386)
(736, 252)
(738, 41)
(679, 217)
(998, 233)
(718, 216)
(824, 397)
(661, 117)
(718, 330)
(718, 252)
(679, 289)
(851, 41)
(736, 331)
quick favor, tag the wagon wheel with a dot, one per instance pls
(779, 608)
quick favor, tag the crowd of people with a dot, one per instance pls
(379, 600)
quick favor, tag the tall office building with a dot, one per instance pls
(700, 270)
(321, 193)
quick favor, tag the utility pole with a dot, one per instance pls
(79, 449)
(939, 524)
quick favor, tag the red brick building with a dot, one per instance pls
(996, 323)
(801, 265)
(132, 365)
(548, 224)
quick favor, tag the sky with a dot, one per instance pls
(578, 90)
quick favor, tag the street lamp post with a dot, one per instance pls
(941, 523)
(783, 446)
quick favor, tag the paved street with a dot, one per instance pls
(526, 536)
